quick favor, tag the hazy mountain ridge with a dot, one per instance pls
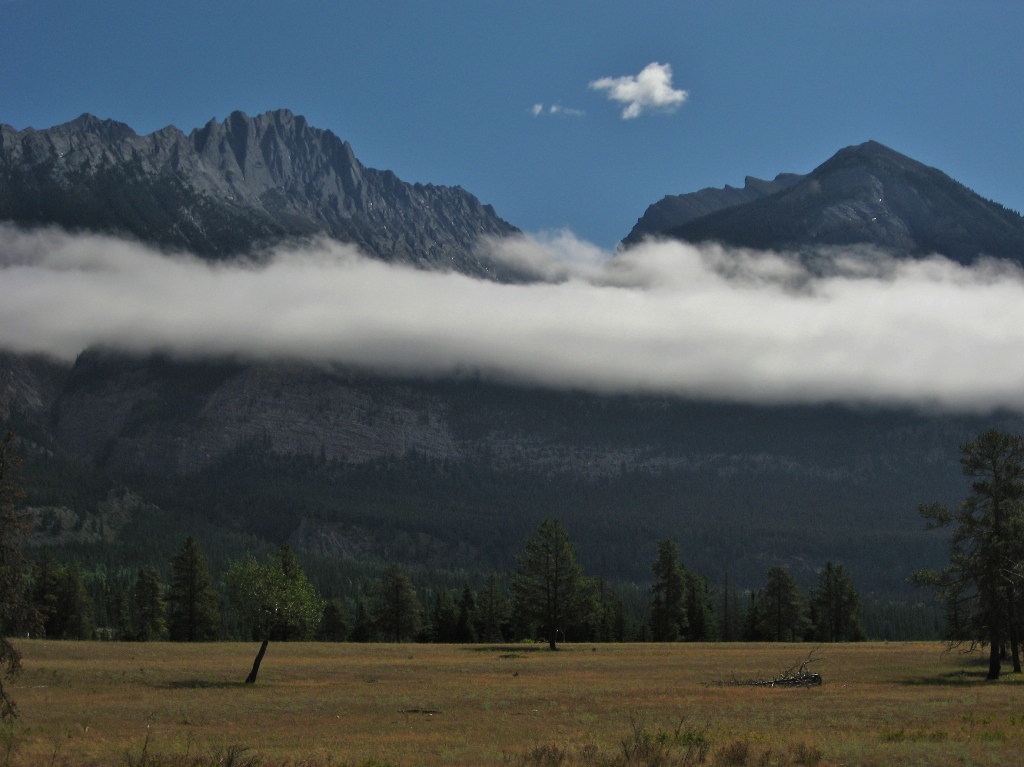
(868, 195)
(228, 187)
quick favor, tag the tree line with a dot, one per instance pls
(546, 597)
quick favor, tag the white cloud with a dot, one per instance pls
(556, 109)
(651, 89)
(661, 317)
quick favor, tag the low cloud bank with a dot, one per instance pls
(660, 317)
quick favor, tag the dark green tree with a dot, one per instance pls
(835, 609)
(781, 608)
(150, 624)
(444, 619)
(609, 620)
(362, 626)
(14, 526)
(492, 611)
(548, 586)
(465, 629)
(333, 624)
(60, 598)
(982, 583)
(668, 595)
(265, 597)
(395, 610)
(193, 613)
(700, 616)
(120, 615)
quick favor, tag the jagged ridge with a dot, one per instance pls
(229, 187)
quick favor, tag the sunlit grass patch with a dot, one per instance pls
(318, 704)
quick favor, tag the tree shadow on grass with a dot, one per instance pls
(957, 678)
(507, 648)
(201, 684)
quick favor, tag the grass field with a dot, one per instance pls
(87, 703)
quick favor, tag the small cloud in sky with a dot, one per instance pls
(537, 110)
(650, 90)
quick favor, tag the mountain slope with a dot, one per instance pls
(229, 187)
(675, 210)
(869, 195)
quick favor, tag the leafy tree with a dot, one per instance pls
(547, 585)
(836, 613)
(668, 595)
(193, 604)
(265, 597)
(981, 584)
(780, 608)
(13, 526)
(300, 626)
(394, 607)
(150, 624)
(492, 611)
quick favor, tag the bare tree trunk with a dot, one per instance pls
(251, 679)
(995, 649)
(1011, 609)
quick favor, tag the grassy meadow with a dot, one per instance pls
(89, 703)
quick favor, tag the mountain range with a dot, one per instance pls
(457, 472)
(229, 188)
(864, 195)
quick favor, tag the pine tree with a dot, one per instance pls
(781, 608)
(362, 627)
(13, 526)
(465, 629)
(394, 607)
(150, 624)
(981, 584)
(333, 626)
(700, 616)
(60, 598)
(492, 611)
(668, 595)
(193, 604)
(835, 609)
(548, 584)
(444, 620)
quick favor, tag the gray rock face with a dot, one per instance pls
(677, 209)
(230, 187)
(869, 195)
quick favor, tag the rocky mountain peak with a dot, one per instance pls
(870, 195)
(232, 186)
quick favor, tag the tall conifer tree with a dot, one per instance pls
(193, 604)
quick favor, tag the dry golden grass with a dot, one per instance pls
(881, 704)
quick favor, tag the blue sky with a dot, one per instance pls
(444, 92)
